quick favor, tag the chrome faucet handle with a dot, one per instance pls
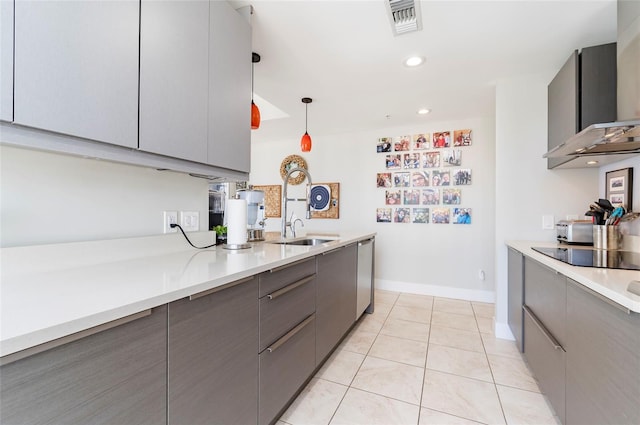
(292, 225)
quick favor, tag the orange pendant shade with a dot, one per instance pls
(305, 142)
(255, 116)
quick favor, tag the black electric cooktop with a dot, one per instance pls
(602, 258)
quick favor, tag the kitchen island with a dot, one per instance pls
(125, 327)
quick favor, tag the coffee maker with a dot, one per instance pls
(255, 213)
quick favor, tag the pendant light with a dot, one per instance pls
(305, 142)
(255, 112)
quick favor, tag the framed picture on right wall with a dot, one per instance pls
(619, 188)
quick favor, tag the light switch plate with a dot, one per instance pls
(548, 222)
(190, 221)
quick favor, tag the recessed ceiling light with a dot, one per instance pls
(414, 61)
(592, 162)
(423, 111)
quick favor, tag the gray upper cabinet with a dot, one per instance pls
(174, 76)
(115, 376)
(603, 360)
(229, 89)
(76, 68)
(212, 360)
(582, 93)
(6, 60)
(336, 299)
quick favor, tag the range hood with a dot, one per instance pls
(608, 142)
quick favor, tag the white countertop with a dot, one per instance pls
(51, 291)
(611, 283)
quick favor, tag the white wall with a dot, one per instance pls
(525, 188)
(421, 258)
(50, 198)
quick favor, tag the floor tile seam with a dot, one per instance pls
(461, 349)
(403, 337)
(339, 404)
(521, 389)
(398, 361)
(386, 396)
(424, 372)
(454, 415)
(459, 376)
(409, 320)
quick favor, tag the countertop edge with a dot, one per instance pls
(15, 344)
(593, 278)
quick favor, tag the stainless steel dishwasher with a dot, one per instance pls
(365, 277)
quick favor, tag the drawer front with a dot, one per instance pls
(280, 277)
(546, 358)
(284, 368)
(281, 310)
(545, 293)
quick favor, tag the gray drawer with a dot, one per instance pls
(284, 368)
(545, 293)
(546, 358)
(282, 276)
(281, 310)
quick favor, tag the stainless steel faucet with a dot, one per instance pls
(286, 199)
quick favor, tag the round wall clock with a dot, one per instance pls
(293, 161)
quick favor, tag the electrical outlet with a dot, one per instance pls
(190, 221)
(170, 217)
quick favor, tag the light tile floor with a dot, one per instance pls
(421, 360)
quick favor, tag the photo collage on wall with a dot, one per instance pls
(423, 178)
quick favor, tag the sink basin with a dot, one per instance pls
(306, 242)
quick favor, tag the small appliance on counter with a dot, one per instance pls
(255, 213)
(575, 232)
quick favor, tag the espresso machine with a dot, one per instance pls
(255, 213)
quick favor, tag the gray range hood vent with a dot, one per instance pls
(600, 139)
(404, 16)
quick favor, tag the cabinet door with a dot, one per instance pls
(76, 68)
(117, 376)
(598, 85)
(284, 368)
(6, 60)
(516, 295)
(545, 293)
(546, 357)
(603, 360)
(229, 89)
(563, 106)
(213, 361)
(174, 76)
(336, 299)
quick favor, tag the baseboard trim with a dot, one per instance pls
(478, 295)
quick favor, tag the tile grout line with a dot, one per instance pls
(424, 373)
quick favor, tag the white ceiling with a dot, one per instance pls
(344, 55)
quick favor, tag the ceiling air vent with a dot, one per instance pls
(404, 16)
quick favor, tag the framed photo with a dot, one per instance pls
(442, 139)
(452, 157)
(462, 176)
(421, 141)
(402, 215)
(431, 160)
(411, 197)
(619, 187)
(462, 138)
(462, 216)
(441, 215)
(393, 161)
(420, 215)
(401, 143)
(384, 144)
(401, 179)
(383, 180)
(383, 215)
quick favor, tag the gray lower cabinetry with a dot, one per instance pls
(284, 367)
(545, 295)
(336, 297)
(212, 364)
(546, 358)
(287, 335)
(516, 295)
(116, 376)
(603, 360)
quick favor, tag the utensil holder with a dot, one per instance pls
(606, 237)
